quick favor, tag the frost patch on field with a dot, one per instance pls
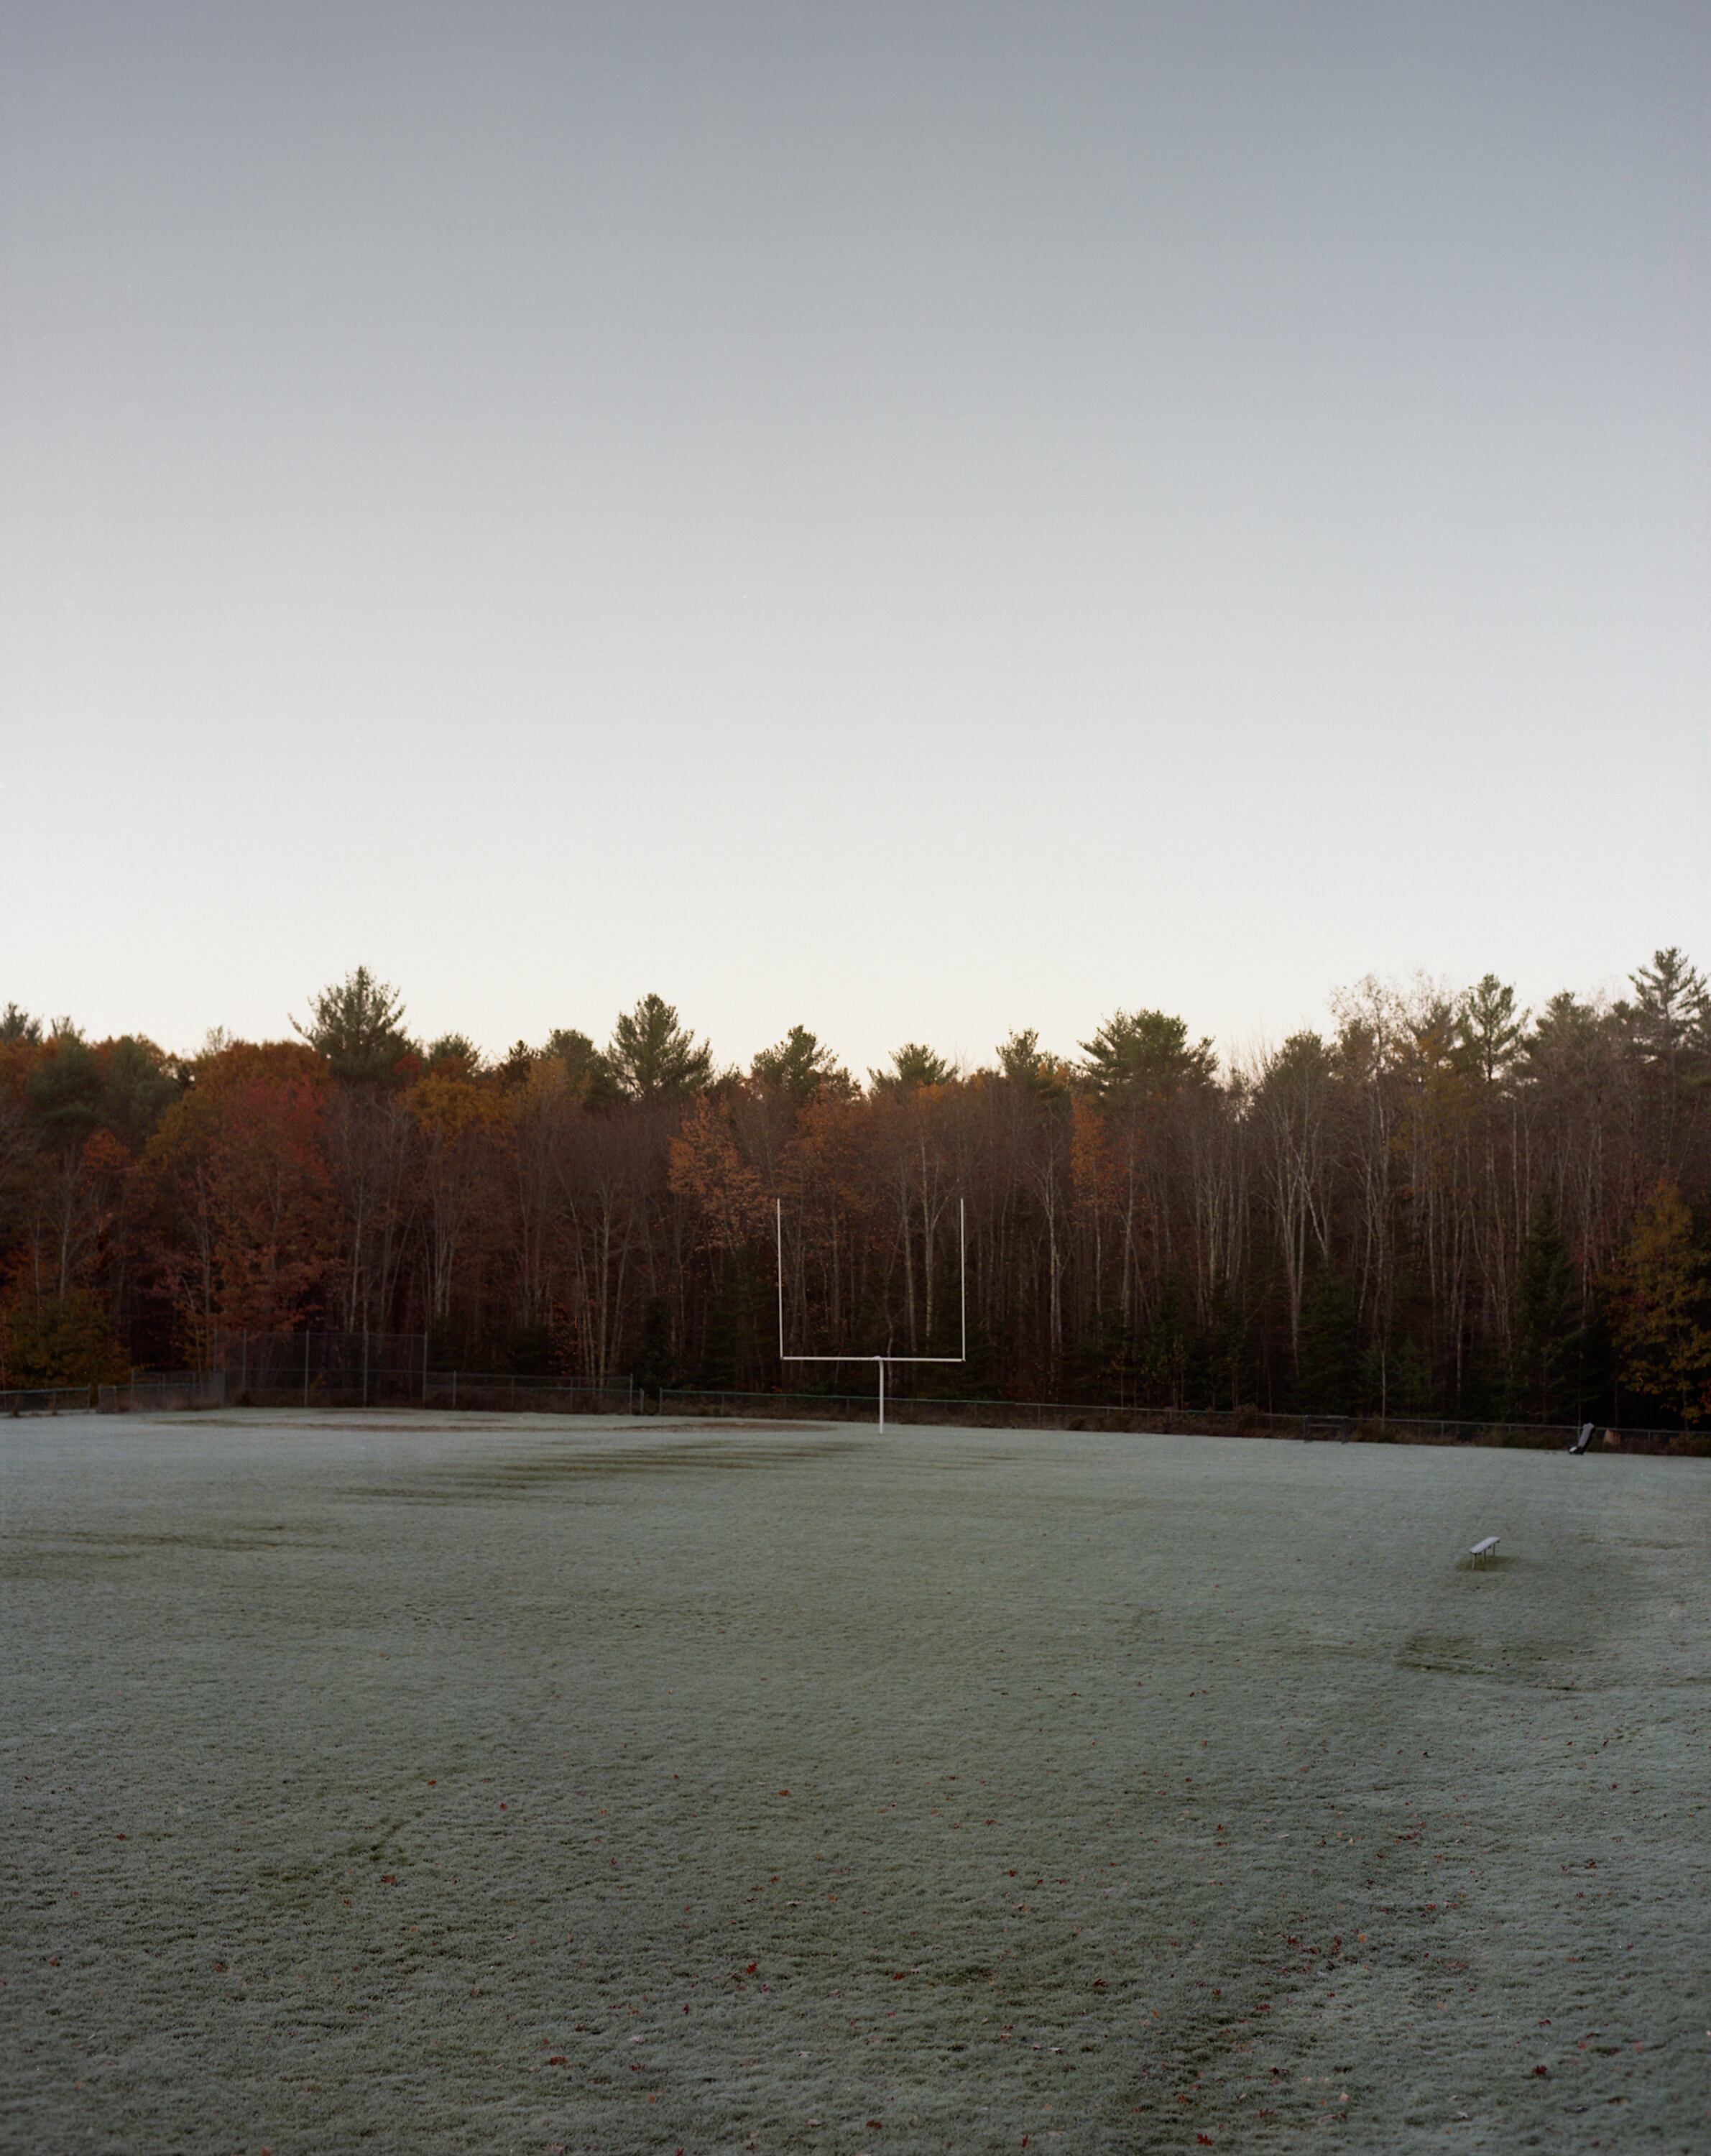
(458, 1785)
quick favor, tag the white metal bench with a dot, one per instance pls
(1486, 1549)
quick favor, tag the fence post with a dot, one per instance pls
(305, 1365)
(365, 1366)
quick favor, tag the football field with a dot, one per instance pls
(421, 1783)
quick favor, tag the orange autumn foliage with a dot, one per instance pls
(707, 1169)
(239, 1170)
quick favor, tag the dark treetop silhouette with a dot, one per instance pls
(1443, 1205)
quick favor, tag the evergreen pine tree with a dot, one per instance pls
(654, 1362)
(1547, 1320)
(357, 1024)
(1328, 1372)
(1661, 1305)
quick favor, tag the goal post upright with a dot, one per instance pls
(879, 1362)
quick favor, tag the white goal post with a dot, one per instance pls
(881, 1361)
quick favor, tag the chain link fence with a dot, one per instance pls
(1174, 1422)
(536, 1395)
(323, 1370)
(388, 1369)
(48, 1399)
(153, 1392)
(391, 1369)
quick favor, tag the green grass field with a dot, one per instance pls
(514, 1785)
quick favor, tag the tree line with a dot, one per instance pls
(1442, 1204)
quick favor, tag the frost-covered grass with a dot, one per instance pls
(518, 1785)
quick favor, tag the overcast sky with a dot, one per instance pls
(919, 519)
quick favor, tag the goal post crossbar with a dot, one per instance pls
(881, 1361)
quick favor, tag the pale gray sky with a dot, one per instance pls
(917, 519)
